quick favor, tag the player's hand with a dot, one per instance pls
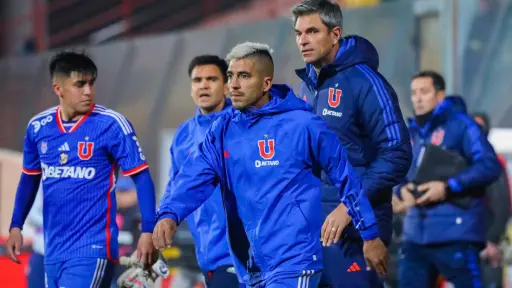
(147, 254)
(14, 244)
(406, 193)
(491, 253)
(398, 205)
(376, 256)
(434, 191)
(163, 233)
(334, 225)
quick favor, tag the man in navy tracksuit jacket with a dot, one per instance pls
(341, 81)
(267, 156)
(207, 224)
(440, 237)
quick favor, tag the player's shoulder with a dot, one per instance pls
(112, 117)
(223, 120)
(185, 126)
(307, 121)
(48, 115)
(41, 119)
(184, 130)
(219, 126)
(300, 116)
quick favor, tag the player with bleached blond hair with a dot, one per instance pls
(266, 155)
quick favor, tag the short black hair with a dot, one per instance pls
(209, 60)
(437, 79)
(67, 62)
(485, 118)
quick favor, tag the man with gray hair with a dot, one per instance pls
(341, 81)
(266, 155)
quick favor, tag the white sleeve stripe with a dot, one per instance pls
(44, 113)
(123, 119)
(127, 129)
(114, 112)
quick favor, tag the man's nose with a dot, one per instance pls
(87, 89)
(204, 84)
(303, 40)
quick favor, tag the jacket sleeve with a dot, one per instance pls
(382, 119)
(484, 165)
(332, 158)
(174, 164)
(194, 183)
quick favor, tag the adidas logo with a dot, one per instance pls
(354, 267)
(64, 147)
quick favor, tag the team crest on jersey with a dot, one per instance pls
(437, 137)
(63, 158)
(85, 150)
(267, 148)
(44, 147)
(267, 152)
(334, 97)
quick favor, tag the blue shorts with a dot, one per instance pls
(458, 263)
(35, 271)
(80, 272)
(222, 277)
(308, 279)
(344, 266)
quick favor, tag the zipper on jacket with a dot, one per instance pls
(315, 100)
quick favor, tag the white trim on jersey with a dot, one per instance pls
(304, 279)
(101, 264)
(121, 120)
(44, 113)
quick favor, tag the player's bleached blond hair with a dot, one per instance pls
(247, 49)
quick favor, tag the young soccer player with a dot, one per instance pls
(76, 149)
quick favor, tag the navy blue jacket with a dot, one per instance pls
(454, 130)
(362, 108)
(268, 163)
(208, 223)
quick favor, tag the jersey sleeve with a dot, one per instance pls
(126, 149)
(31, 161)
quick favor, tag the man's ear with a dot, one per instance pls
(267, 84)
(57, 89)
(440, 95)
(336, 35)
(226, 89)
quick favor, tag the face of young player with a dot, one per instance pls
(76, 92)
(315, 41)
(424, 95)
(247, 84)
(208, 88)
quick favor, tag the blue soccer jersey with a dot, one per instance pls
(79, 163)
